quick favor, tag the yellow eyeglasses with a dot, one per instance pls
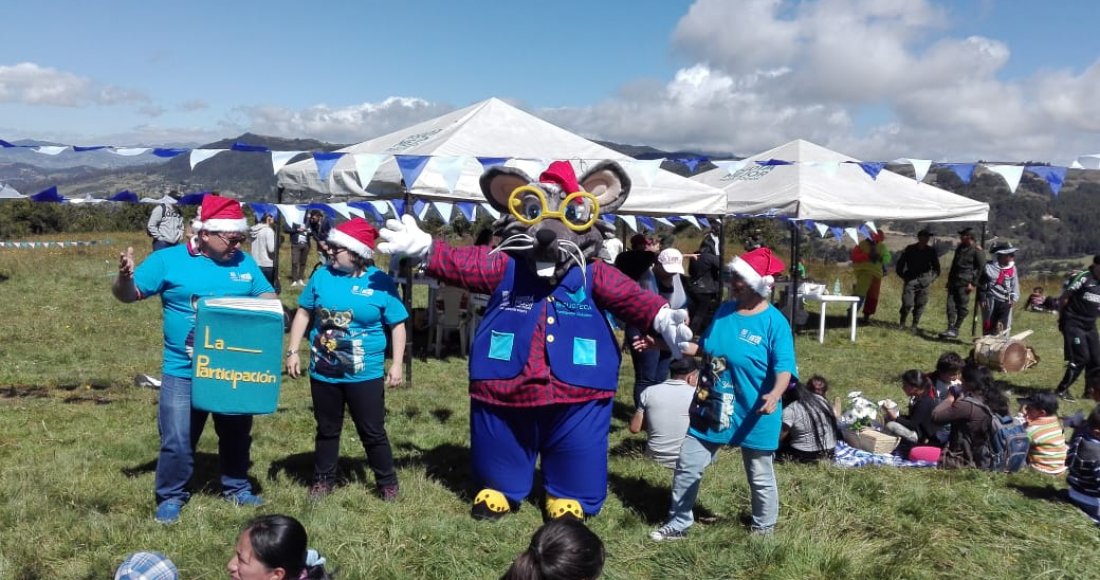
(527, 204)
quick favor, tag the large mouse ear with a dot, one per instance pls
(497, 183)
(608, 183)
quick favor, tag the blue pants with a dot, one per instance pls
(571, 439)
(180, 428)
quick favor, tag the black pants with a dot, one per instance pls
(703, 310)
(995, 315)
(958, 305)
(914, 296)
(298, 257)
(1081, 344)
(367, 403)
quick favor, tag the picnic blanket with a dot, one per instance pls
(848, 456)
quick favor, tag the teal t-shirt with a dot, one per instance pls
(747, 352)
(181, 277)
(347, 340)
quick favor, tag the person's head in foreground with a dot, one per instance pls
(351, 245)
(221, 227)
(274, 547)
(949, 366)
(914, 382)
(752, 274)
(562, 549)
(1039, 405)
(147, 566)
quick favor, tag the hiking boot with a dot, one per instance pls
(667, 533)
(168, 512)
(320, 489)
(245, 499)
(1066, 396)
(388, 492)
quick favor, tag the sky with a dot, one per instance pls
(963, 81)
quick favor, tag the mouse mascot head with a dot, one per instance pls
(553, 223)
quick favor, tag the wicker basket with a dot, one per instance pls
(870, 440)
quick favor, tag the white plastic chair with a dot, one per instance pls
(452, 317)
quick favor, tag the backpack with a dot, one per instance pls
(1006, 449)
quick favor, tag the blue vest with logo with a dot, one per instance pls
(580, 347)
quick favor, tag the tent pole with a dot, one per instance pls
(407, 299)
(278, 239)
(721, 255)
(977, 303)
(792, 290)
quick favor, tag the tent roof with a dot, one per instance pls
(493, 128)
(834, 191)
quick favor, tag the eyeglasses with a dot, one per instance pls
(231, 240)
(335, 250)
(527, 204)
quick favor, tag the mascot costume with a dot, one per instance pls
(544, 364)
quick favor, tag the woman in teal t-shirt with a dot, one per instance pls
(751, 350)
(350, 303)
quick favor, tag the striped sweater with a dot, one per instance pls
(1047, 452)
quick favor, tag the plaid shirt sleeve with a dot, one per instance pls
(471, 267)
(614, 291)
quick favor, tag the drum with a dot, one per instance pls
(1001, 353)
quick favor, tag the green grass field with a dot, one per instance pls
(78, 444)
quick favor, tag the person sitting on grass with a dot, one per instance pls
(915, 427)
(971, 424)
(147, 566)
(1036, 301)
(1083, 462)
(1047, 444)
(809, 426)
(664, 412)
(947, 374)
(562, 549)
(275, 547)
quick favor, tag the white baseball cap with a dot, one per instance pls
(671, 260)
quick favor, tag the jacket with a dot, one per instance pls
(966, 266)
(165, 224)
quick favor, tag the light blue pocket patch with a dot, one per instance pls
(500, 345)
(584, 351)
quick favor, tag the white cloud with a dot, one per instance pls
(31, 84)
(348, 124)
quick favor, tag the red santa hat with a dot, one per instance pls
(561, 173)
(220, 214)
(758, 268)
(357, 235)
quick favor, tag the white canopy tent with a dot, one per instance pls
(494, 129)
(819, 185)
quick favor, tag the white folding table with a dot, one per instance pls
(825, 299)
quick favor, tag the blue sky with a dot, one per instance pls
(878, 79)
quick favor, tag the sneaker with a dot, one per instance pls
(667, 532)
(168, 512)
(388, 492)
(146, 382)
(320, 489)
(1066, 396)
(949, 333)
(762, 532)
(246, 499)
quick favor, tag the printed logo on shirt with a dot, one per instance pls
(746, 336)
(576, 306)
(235, 276)
(519, 304)
(361, 291)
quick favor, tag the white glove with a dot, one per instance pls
(404, 238)
(671, 325)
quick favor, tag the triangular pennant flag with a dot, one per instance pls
(357, 212)
(328, 209)
(965, 171)
(325, 162)
(262, 209)
(852, 233)
(446, 210)
(871, 226)
(1076, 165)
(383, 208)
(532, 167)
(341, 207)
(468, 209)
(774, 162)
(864, 231)
(128, 151)
(411, 166)
(280, 158)
(703, 221)
(245, 147)
(450, 169)
(920, 167)
(292, 214)
(421, 208)
(49, 149)
(366, 165)
(487, 162)
(80, 149)
(647, 169)
(691, 161)
(490, 210)
(1055, 176)
(630, 221)
(1011, 174)
(731, 166)
(6, 144)
(872, 168)
(365, 210)
(169, 151)
(646, 222)
(838, 232)
(809, 225)
(608, 217)
(398, 206)
(663, 221)
(691, 220)
(200, 155)
(822, 229)
(830, 168)
(48, 195)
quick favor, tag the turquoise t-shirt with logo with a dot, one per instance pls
(347, 339)
(747, 352)
(181, 277)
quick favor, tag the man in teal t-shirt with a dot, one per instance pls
(210, 264)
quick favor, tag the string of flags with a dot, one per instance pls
(411, 166)
(63, 244)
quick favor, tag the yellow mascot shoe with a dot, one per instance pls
(557, 508)
(490, 504)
